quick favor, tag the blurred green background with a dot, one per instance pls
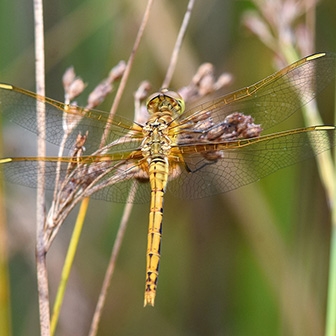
(250, 262)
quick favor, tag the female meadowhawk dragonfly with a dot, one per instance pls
(214, 147)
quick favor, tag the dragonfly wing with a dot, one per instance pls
(274, 98)
(26, 172)
(19, 106)
(125, 183)
(248, 162)
(105, 180)
(128, 191)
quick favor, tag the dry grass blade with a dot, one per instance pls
(41, 150)
(128, 67)
(178, 44)
(111, 266)
(5, 306)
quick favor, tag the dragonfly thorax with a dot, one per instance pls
(163, 107)
(156, 140)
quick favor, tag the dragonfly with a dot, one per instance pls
(195, 152)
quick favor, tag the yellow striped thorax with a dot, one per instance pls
(163, 107)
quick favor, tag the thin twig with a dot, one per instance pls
(177, 47)
(42, 275)
(113, 258)
(5, 300)
(128, 68)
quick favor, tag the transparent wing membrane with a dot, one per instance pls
(247, 162)
(19, 106)
(275, 98)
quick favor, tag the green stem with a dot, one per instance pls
(68, 263)
(331, 299)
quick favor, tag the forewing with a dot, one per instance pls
(19, 106)
(274, 98)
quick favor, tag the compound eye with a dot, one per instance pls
(165, 99)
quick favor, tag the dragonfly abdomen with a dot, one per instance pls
(158, 172)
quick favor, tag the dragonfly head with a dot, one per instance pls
(164, 101)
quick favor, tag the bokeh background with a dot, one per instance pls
(250, 262)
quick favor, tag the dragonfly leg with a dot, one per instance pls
(189, 170)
